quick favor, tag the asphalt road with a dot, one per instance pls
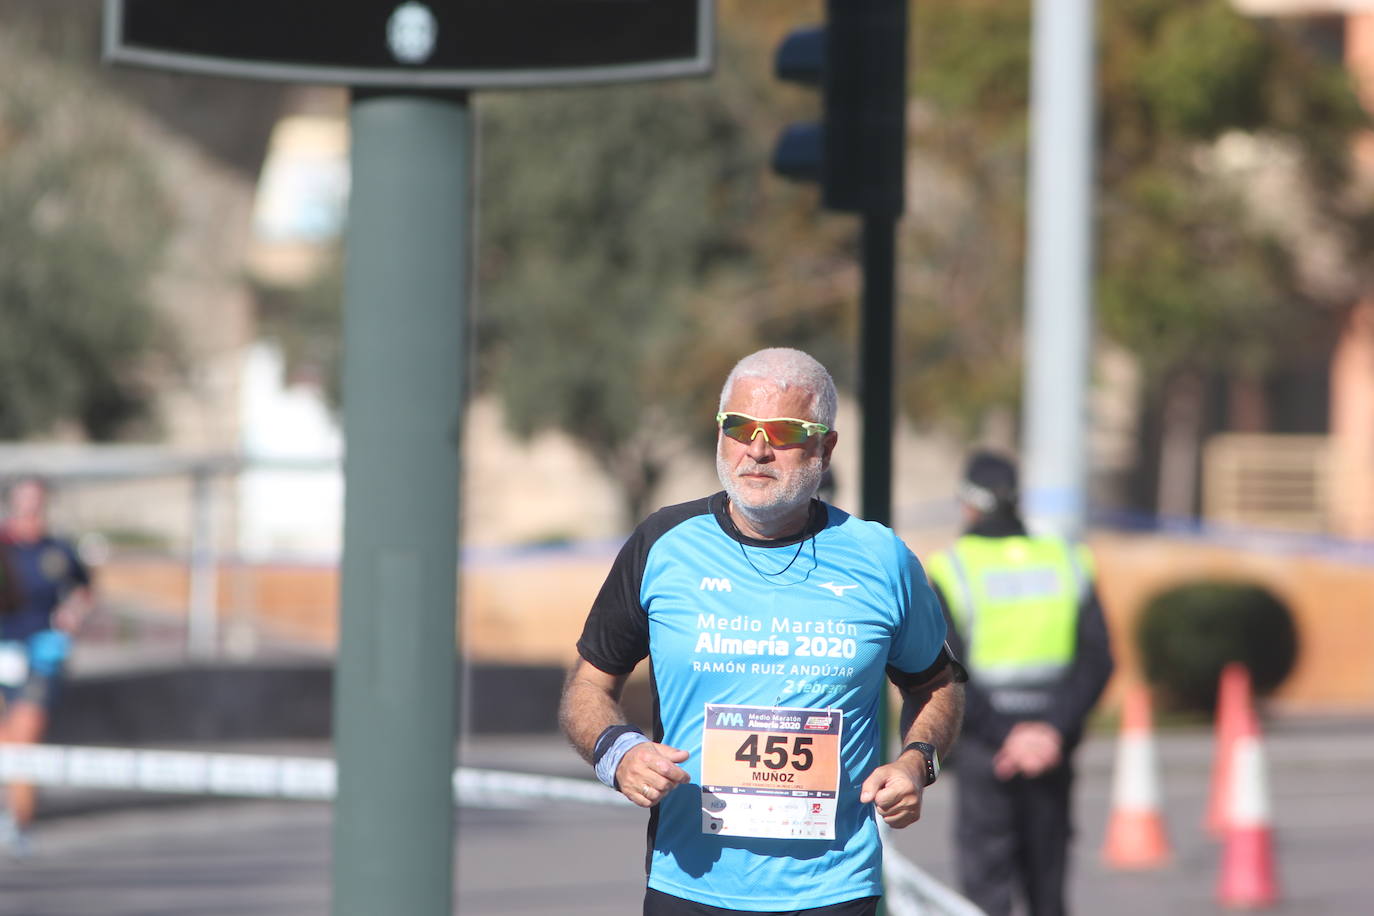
(98, 854)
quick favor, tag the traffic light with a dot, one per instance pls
(857, 150)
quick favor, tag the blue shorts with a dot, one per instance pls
(31, 669)
(40, 690)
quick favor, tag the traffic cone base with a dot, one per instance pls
(1247, 869)
(1136, 840)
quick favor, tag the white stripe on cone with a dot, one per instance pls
(1135, 784)
(1249, 803)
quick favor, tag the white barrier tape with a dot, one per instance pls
(308, 777)
(498, 786)
(256, 776)
(183, 772)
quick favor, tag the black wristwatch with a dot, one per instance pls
(932, 759)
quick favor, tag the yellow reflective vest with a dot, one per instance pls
(1015, 601)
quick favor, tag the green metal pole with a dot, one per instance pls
(405, 282)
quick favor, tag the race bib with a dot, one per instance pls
(770, 771)
(14, 663)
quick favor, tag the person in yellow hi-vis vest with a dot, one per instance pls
(1024, 615)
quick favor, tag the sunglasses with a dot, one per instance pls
(777, 431)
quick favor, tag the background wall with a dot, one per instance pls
(526, 608)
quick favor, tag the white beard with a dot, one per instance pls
(792, 490)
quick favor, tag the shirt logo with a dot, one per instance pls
(711, 584)
(838, 590)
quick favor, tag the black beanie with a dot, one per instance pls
(993, 475)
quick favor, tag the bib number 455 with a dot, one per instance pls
(778, 752)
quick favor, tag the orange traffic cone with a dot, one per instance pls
(1233, 707)
(1135, 833)
(1247, 860)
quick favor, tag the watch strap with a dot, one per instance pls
(932, 759)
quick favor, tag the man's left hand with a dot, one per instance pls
(895, 790)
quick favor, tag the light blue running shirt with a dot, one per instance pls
(810, 623)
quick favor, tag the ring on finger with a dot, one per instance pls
(645, 789)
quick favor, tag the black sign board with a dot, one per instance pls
(442, 44)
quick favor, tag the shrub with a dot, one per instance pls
(1187, 634)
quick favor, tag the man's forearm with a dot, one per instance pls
(589, 706)
(934, 715)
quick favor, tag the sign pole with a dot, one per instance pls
(405, 282)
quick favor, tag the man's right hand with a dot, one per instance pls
(649, 771)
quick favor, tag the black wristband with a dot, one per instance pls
(607, 738)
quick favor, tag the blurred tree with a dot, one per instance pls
(84, 222)
(963, 230)
(1200, 265)
(627, 241)
(631, 246)
(632, 243)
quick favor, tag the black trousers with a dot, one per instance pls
(1012, 836)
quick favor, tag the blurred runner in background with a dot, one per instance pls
(52, 592)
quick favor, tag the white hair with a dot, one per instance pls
(788, 368)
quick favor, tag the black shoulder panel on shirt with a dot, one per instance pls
(669, 517)
(615, 637)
